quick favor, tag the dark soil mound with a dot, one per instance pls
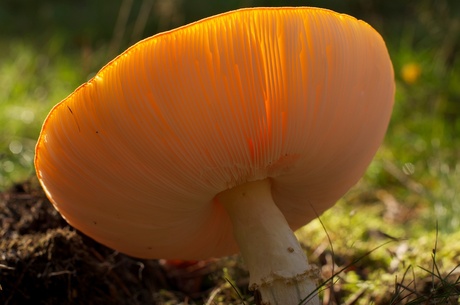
(45, 261)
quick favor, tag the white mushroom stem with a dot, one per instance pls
(277, 265)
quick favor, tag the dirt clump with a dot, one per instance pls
(45, 261)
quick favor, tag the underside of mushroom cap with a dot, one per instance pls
(135, 157)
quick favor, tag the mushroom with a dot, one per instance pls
(221, 136)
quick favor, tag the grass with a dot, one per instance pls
(410, 193)
(30, 84)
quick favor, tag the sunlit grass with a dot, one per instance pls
(34, 78)
(370, 249)
(30, 84)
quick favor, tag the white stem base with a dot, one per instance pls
(277, 265)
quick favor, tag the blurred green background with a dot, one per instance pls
(49, 47)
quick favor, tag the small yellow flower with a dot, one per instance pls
(411, 72)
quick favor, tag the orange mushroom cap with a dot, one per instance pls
(135, 157)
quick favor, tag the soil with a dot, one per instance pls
(45, 261)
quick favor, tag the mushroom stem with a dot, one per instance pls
(277, 265)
